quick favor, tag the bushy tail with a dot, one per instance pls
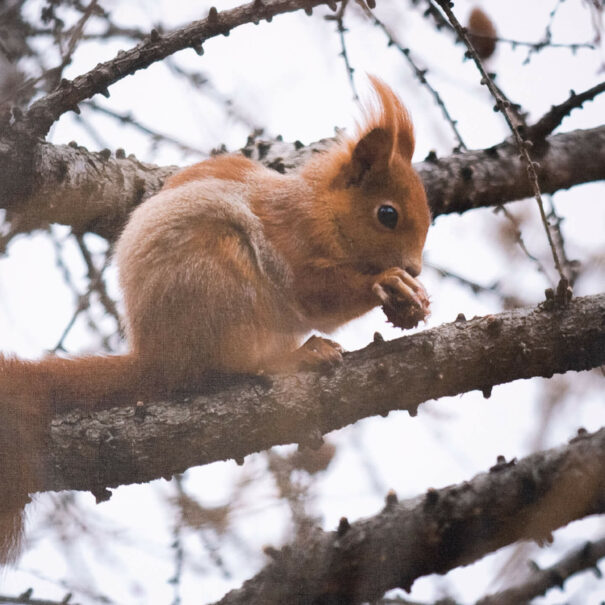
(30, 393)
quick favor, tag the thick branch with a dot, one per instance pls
(96, 191)
(90, 451)
(437, 532)
(20, 147)
(489, 177)
(85, 190)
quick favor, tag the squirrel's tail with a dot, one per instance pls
(30, 393)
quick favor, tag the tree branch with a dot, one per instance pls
(21, 131)
(106, 448)
(437, 532)
(542, 580)
(89, 191)
(489, 177)
(96, 191)
(538, 582)
(557, 113)
(43, 113)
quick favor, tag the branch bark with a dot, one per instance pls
(20, 142)
(437, 532)
(489, 177)
(95, 191)
(238, 416)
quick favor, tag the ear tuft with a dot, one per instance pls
(390, 115)
(385, 132)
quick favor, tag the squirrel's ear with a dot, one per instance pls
(391, 114)
(405, 137)
(386, 132)
(372, 153)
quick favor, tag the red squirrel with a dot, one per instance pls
(226, 270)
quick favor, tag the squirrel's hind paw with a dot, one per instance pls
(318, 354)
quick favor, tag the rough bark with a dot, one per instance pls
(23, 155)
(493, 176)
(89, 191)
(436, 532)
(92, 451)
(95, 191)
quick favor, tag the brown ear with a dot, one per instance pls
(405, 137)
(372, 153)
(392, 115)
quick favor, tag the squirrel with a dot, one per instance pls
(226, 270)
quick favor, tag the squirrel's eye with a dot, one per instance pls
(388, 216)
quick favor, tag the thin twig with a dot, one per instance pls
(83, 304)
(536, 46)
(547, 33)
(199, 81)
(418, 72)
(572, 266)
(93, 133)
(55, 74)
(341, 29)
(60, 263)
(44, 112)
(521, 242)
(179, 554)
(509, 302)
(97, 284)
(83, 300)
(503, 105)
(26, 599)
(128, 118)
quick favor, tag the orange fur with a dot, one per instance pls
(225, 270)
(235, 169)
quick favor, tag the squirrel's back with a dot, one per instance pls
(203, 287)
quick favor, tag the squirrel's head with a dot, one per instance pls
(377, 200)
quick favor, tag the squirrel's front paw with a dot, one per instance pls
(405, 302)
(318, 353)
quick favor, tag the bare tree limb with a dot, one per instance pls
(22, 130)
(557, 113)
(27, 599)
(489, 177)
(43, 113)
(238, 416)
(129, 120)
(436, 532)
(95, 192)
(89, 191)
(504, 105)
(541, 580)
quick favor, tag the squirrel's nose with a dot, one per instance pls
(414, 268)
